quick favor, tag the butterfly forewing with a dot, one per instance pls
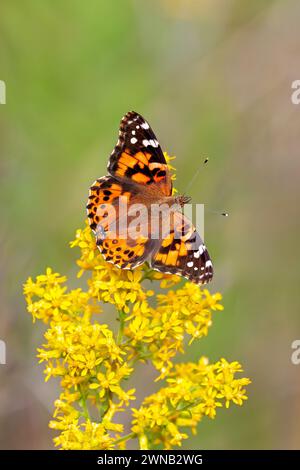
(138, 155)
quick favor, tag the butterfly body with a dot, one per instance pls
(139, 181)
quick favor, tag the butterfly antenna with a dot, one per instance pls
(224, 214)
(196, 175)
(205, 161)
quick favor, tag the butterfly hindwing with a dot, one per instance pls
(182, 252)
(138, 155)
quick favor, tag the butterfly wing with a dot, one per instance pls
(138, 155)
(182, 252)
(110, 224)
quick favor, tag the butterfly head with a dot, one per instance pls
(182, 200)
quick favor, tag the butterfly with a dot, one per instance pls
(139, 177)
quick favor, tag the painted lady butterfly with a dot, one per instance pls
(138, 173)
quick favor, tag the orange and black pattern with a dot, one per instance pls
(138, 155)
(182, 252)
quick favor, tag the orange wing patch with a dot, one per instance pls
(103, 193)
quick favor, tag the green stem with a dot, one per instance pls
(109, 397)
(122, 316)
(83, 405)
(132, 435)
(184, 408)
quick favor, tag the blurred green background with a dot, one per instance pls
(213, 77)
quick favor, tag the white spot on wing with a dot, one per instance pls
(200, 251)
(145, 125)
(151, 142)
(190, 264)
(133, 140)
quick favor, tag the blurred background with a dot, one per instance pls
(214, 79)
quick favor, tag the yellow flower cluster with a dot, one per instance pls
(192, 391)
(93, 362)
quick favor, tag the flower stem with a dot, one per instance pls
(132, 435)
(83, 405)
(109, 397)
(121, 327)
